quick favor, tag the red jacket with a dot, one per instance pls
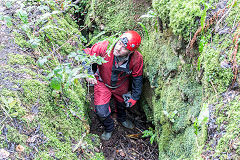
(112, 75)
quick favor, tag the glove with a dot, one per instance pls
(131, 102)
(128, 100)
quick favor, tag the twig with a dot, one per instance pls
(213, 87)
(79, 143)
(6, 112)
(3, 120)
(2, 128)
(216, 27)
(124, 149)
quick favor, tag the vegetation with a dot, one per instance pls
(190, 55)
(57, 109)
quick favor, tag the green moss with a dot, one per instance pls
(177, 97)
(233, 14)
(180, 15)
(21, 40)
(1, 47)
(19, 59)
(52, 37)
(65, 130)
(179, 150)
(114, 15)
(14, 136)
(229, 114)
(63, 120)
(216, 77)
(34, 92)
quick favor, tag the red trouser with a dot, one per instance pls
(102, 96)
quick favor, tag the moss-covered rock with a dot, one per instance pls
(19, 59)
(60, 123)
(114, 16)
(182, 16)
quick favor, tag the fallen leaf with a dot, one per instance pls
(4, 154)
(121, 153)
(136, 136)
(29, 117)
(20, 148)
(32, 139)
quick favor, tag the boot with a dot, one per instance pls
(106, 136)
(128, 124)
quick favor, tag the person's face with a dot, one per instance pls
(120, 50)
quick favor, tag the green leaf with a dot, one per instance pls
(144, 28)
(34, 42)
(8, 4)
(199, 63)
(203, 17)
(204, 114)
(95, 37)
(195, 125)
(11, 102)
(42, 61)
(152, 138)
(83, 39)
(55, 84)
(8, 20)
(202, 44)
(23, 15)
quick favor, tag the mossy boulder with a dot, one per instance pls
(114, 16)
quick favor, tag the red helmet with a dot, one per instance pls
(131, 39)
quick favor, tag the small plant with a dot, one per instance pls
(65, 74)
(170, 115)
(150, 14)
(11, 107)
(149, 133)
(202, 119)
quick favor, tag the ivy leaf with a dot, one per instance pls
(55, 83)
(42, 61)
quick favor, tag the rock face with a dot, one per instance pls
(34, 124)
(181, 82)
